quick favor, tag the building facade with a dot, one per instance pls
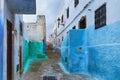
(11, 61)
(100, 21)
(74, 12)
(39, 28)
(34, 41)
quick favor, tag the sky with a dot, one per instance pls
(50, 9)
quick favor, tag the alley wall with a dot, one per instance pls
(15, 20)
(102, 43)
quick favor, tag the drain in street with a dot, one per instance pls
(49, 78)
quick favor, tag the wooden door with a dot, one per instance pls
(20, 49)
(20, 60)
(9, 50)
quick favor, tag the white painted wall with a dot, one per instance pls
(7, 15)
(18, 41)
(41, 28)
(15, 19)
(30, 30)
(36, 31)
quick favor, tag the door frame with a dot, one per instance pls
(9, 50)
(20, 48)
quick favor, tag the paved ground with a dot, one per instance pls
(38, 69)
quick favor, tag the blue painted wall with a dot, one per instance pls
(1, 46)
(100, 51)
(74, 60)
(104, 51)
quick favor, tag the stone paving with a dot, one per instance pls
(50, 67)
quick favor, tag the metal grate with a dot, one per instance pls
(49, 78)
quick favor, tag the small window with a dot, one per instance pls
(62, 18)
(74, 27)
(67, 12)
(62, 38)
(100, 17)
(82, 23)
(76, 2)
(21, 29)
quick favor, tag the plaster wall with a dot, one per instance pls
(102, 43)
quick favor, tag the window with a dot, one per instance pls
(62, 18)
(74, 27)
(76, 2)
(100, 17)
(82, 23)
(62, 38)
(21, 29)
(67, 12)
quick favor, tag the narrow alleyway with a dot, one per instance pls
(87, 32)
(50, 67)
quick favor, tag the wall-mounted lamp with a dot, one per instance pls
(59, 22)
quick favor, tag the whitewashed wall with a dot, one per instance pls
(9, 16)
(17, 42)
(37, 31)
(15, 19)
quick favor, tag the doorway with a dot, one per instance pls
(20, 49)
(82, 23)
(9, 50)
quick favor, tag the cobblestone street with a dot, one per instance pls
(50, 67)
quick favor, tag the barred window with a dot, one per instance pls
(100, 17)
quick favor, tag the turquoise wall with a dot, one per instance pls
(25, 51)
(33, 51)
(100, 47)
(74, 59)
(35, 48)
(104, 51)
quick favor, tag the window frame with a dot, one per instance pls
(100, 16)
(82, 23)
